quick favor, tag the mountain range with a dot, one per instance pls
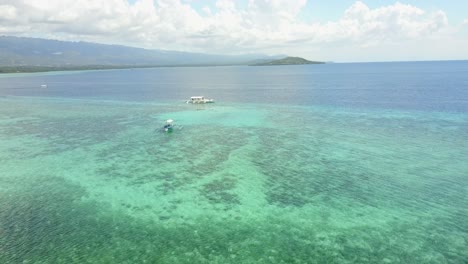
(21, 51)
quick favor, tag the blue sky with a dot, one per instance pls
(333, 30)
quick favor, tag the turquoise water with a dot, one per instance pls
(88, 180)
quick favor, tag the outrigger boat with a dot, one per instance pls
(199, 100)
(169, 126)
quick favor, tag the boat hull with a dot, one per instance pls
(201, 102)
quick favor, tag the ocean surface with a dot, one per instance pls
(335, 163)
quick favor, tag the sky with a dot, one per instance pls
(327, 30)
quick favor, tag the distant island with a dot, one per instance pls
(287, 61)
(21, 54)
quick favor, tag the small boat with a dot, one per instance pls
(169, 126)
(199, 100)
(43, 85)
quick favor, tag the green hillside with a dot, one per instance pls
(288, 61)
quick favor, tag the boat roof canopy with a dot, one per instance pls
(169, 121)
(197, 97)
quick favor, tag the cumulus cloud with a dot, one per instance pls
(8, 12)
(261, 25)
(390, 23)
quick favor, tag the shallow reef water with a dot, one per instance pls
(85, 181)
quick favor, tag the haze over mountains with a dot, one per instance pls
(20, 51)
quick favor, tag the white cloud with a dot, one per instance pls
(261, 26)
(391, 23)
(8, 12)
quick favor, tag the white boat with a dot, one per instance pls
(169, 126)
(199, 100)
(43, 85)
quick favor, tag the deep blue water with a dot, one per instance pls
(423, 86)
